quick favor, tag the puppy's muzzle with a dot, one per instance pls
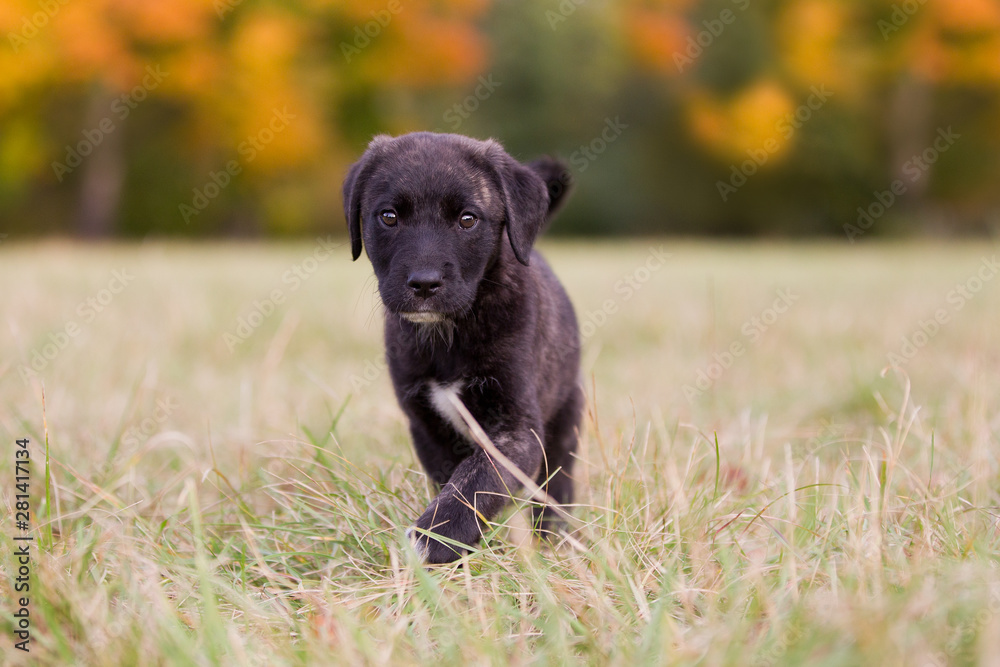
(425, 282)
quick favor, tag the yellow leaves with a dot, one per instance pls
(297, 130)
(809, 34)
(974, 62)
(361, 11)
(755, 113)
(19, 71)
(13, 14)
(667, 6)
(261, 103)
(266, 41)
(748, 121)
(194, 70)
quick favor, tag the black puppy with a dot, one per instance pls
(471, 316)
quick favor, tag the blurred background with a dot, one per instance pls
(131, 118)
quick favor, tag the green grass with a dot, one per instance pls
(210, 506)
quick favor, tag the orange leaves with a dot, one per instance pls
(165, 21)
(955, 42)
(657, 30)
(655, 36)
(970, 16)
(415, 43)
(232, 65)
(100, 39)
(339, 70)
(964, 44)
(426, 51)
(92, 45)
(13, 15)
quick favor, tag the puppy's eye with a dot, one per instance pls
(388, 218)
(468, 221)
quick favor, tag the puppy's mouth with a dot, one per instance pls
(424, 317)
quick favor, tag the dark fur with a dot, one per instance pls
(508, 335)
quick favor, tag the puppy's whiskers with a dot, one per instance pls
(378, 308)
(443, 329)
(487, 280)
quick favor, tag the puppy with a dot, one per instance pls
(471, 312)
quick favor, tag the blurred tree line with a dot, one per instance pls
(240, 117)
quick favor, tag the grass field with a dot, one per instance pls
(754, 486)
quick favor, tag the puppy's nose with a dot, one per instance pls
(424, 282)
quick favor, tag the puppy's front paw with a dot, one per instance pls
(420, 546)
(432, 551)
(456, 537)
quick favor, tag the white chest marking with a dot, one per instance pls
(440, 394)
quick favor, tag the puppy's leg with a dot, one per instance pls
(440, 450)
(560, 446)
(477, 491)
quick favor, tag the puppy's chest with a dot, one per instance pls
(443, 397)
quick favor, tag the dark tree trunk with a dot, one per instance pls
(103, 171)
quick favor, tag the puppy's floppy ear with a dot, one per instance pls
(526, 198)
(354, 187)
(557, 179)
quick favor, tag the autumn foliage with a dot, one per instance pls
(240, 116)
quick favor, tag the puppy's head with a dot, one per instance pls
(431, 211)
